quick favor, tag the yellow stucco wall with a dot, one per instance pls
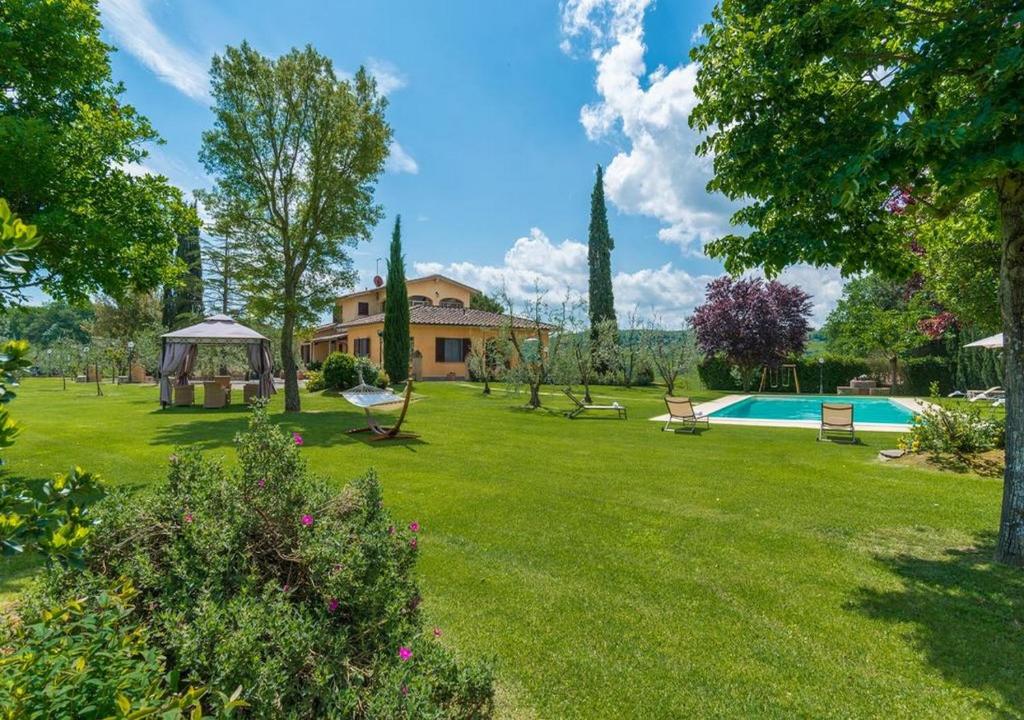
(435, 288)
(424, 338)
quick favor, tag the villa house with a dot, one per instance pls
(442, 326)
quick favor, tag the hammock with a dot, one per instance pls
(368, 396)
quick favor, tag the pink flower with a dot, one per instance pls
(391, 530)
(414, 526)
(261, 482)
(188, 517)
(405, 690)
(412, 543)
(297, 438)
(307, 520)
(332, 605)
(404, 654)
(437, 632)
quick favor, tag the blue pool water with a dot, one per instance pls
(808, 407)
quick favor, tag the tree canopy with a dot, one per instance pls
(295, 153)
(183, 300)
(68, 145)
(752, 323)
(838, 123)
(877, 317)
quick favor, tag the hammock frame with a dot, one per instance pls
(373, 425)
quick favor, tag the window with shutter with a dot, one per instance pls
(451, 350)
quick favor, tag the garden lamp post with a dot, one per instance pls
(821, 376)
(131, 348)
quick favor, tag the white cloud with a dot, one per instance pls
(659, 175)
(666, 293)
(387, 75)
(825, 286)
(135, 31)
(400, 161)
(534, 261)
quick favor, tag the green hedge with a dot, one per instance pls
(920, 372)
(834, 372)
(716, 374)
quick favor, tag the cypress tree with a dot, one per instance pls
(397, 345)
(186, 298)
(599, 257)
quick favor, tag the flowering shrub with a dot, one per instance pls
(89, 657)
(315, 381)
(339, 371)
(266, 578)
(959, 430)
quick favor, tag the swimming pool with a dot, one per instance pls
(878, 410)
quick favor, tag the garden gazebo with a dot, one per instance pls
(180, 347)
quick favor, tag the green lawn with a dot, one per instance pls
(613, 570)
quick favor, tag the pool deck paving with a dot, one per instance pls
(914, 405)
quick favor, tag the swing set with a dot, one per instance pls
(778, 378)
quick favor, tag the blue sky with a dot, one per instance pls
(501, 110)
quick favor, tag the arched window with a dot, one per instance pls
(419, 301)
(451, 303)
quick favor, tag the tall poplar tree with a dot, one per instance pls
(397, 344)
(295, 152)
(599, 257)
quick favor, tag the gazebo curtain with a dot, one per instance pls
(178, 359)
(261, 364)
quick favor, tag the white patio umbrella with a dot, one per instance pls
(993, 342)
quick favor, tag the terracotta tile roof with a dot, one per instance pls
(433, 315)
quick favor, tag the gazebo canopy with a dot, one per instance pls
(181, 346)
(993, 342)
(216, 329)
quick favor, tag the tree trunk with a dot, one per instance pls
(487, 385)
(586, 394)
(534, 395)
(292, 402)
(894, 370)
(1010, 549)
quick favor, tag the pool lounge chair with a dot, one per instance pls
(581, 407)
(836, 418)
(680, 410)
(993, 393)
